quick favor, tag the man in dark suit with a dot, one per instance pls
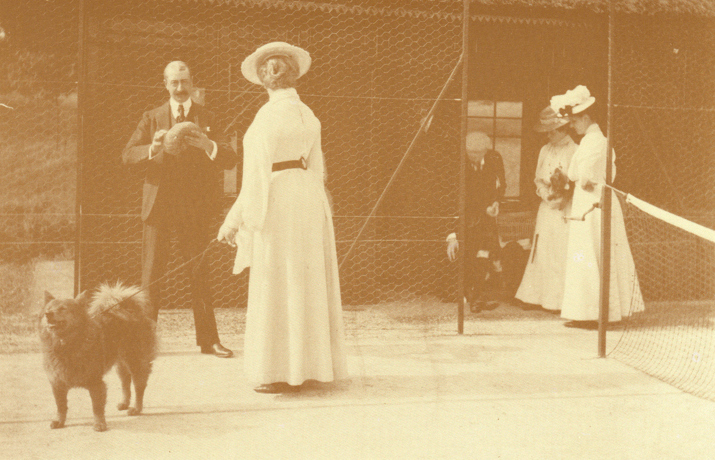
(485, 186)
(181, 196)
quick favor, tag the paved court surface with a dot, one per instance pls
(536, 391)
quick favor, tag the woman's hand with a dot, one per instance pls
(556, 203)
(227, 234)
(589, 186)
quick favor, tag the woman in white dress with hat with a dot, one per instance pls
(581, 300)
(282, 225)
(543, 280)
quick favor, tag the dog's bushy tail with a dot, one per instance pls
(123, 313)
(118, 300)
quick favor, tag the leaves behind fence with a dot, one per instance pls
(38, 128)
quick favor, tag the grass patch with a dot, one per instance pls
(18, 333)
(15, 289)
(38, 183)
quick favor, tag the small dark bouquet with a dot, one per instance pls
(561, 187)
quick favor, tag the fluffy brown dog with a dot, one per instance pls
(82, 339)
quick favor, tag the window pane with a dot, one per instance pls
(507, 127)
(509, 109)
(510, 149)
(480, 109)
(484, 125)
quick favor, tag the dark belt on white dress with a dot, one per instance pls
(299, 164)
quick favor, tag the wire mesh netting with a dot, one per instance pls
(38, 153)
(378, 67)
(663, 117)
(369, 93)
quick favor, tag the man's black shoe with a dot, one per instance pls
(218, 350)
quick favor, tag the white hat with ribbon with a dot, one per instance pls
(249, 66)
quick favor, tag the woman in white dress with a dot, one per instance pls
(543, 281)
(583, 261)
(283, 227)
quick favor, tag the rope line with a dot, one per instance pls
(199, 256)
(424, 122)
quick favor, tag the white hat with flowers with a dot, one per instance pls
(572, 102)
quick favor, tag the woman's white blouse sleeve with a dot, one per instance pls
(316, 158)
(233, 218)
(258, 147)
(542, 178)
(589, 162)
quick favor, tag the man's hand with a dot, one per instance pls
(227, 235)
(200, 141)
(157, 141)
(493, 210)
(452, 249)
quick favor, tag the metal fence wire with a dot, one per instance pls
(378, 67)
(38, 152)
(375, 73)
(663, 117)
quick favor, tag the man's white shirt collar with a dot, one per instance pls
(175, 107)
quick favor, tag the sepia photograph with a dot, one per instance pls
(357, 229)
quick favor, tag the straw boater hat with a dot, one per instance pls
(249, 66)
(573, 102)
(549, 121)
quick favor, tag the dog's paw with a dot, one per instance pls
(123, 405)
(134, 411)
(57, 424)
(100, 426)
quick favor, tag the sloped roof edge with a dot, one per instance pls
(341, 8)
(701, 8)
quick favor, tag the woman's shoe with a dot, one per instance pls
(277, 388)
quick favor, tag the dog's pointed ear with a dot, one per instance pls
(48, 297)
(82, 298)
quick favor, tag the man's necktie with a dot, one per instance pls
(181, 118)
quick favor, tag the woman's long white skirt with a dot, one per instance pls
(543, 280)
(294, 323)
(583, 264)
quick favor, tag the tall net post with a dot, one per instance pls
(463, 161)
(607, 208)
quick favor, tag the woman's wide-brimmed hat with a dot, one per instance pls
(249, 66)
(572, 102)
(549, 121)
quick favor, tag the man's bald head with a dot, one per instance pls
(175, 66)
